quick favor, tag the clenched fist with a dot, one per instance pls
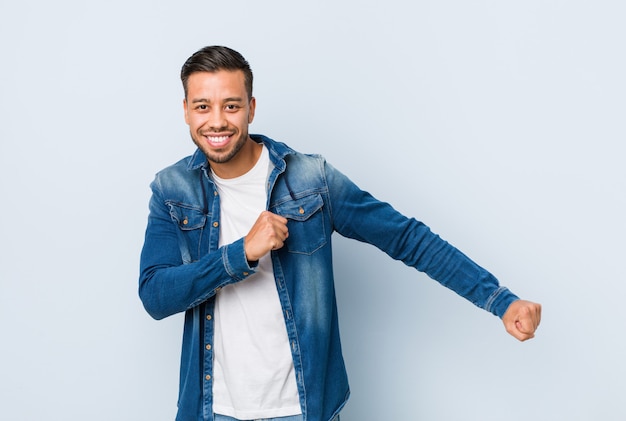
(269, 232)
(522, 319)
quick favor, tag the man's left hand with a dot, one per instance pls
(522, 318)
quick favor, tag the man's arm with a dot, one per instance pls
(167, 285)
(358, 215)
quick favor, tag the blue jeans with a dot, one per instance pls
(219, 417)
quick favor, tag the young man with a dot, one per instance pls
(238, 238)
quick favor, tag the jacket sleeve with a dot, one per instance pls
(167, 285)
(358, 215)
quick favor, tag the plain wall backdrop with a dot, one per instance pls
(498, 123)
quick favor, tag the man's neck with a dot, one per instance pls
(243, 162)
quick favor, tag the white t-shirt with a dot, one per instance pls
(253, 373)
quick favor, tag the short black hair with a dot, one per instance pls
(214, 58)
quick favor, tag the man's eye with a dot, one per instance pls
(201, 107)
(232, 107)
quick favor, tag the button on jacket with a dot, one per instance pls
(182, 268)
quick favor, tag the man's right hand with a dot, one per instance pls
(269, 232)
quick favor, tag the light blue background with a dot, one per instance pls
(498, 123)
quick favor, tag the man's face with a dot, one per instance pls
(218, 112)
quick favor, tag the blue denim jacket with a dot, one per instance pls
(182, 268)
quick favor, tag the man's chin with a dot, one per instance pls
(220, 155)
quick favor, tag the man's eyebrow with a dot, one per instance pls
(230, 99)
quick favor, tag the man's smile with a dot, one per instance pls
(217, 140)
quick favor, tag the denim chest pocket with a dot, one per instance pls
(190, 221)
(305, 222)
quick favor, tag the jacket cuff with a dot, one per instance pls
(499, 301)
(235, 262)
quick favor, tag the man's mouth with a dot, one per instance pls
(217, 140)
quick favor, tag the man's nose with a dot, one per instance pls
(217, 119)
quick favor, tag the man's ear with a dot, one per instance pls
(186, 111)
(252, 109)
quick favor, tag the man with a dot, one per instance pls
(239, 238)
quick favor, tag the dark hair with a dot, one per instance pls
(214, 58)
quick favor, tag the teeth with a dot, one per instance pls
(217, 139)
